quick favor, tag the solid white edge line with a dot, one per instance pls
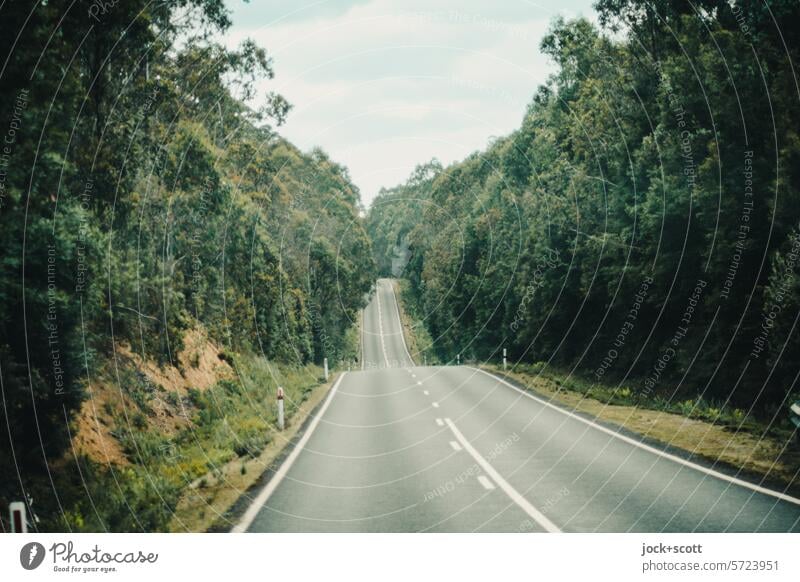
(380, 326)
(361, 338)
(486, 482)
(509, 490)
(648, 448)
(269, 488)
(455, 445)
(400, 323)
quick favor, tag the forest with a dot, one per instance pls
(641, 228)
(169, 259)
(144, 197)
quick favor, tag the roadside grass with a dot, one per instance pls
(232, 423)
(351, 350)
(697, 408)
(233, 418)
(718, 433)
(418, 339)
(184, 474)
(248, 432)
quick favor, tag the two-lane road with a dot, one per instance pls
(400, 447)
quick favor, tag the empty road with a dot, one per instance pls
(399, 447)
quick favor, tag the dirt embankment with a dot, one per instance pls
(157, 403)
(110, 399)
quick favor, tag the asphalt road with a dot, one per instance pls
(399, 447)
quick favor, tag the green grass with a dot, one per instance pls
(232, 419)
(351, 349)
(696, 408)
(420, 342)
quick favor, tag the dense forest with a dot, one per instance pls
(641, 228)
(144, 195)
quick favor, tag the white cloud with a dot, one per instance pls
(384, 85)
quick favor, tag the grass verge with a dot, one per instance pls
(418, 340)
(206, 502)
(159, 457)
(721, 435)
(726, 438)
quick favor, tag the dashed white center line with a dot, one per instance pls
(435, 405)
(455, 445)
(425, 392)
(440, 422)
(419, 383)
(509, 490)
(484, 480)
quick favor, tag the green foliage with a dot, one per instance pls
(643, 171)
(143, 194)
(423, 348)
(233, 419)
(394, 214)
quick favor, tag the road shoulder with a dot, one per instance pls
(219, 506)
(763, 461)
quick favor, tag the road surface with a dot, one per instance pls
(398, 447)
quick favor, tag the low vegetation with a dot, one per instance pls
(417, 338)
(722, 436)
(171, 442)
(717, 432)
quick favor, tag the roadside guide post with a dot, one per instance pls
(325, 367)
(504, 359)
(794, 411)
(19, 523)
(280, 409)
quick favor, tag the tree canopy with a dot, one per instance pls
(144, 192)
(641, 225)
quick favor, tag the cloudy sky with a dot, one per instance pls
(383, 85)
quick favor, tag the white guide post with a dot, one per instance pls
(281, 422)
(19, 523)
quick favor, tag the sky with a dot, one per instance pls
(385, 85)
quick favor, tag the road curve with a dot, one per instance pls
(398, 447)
